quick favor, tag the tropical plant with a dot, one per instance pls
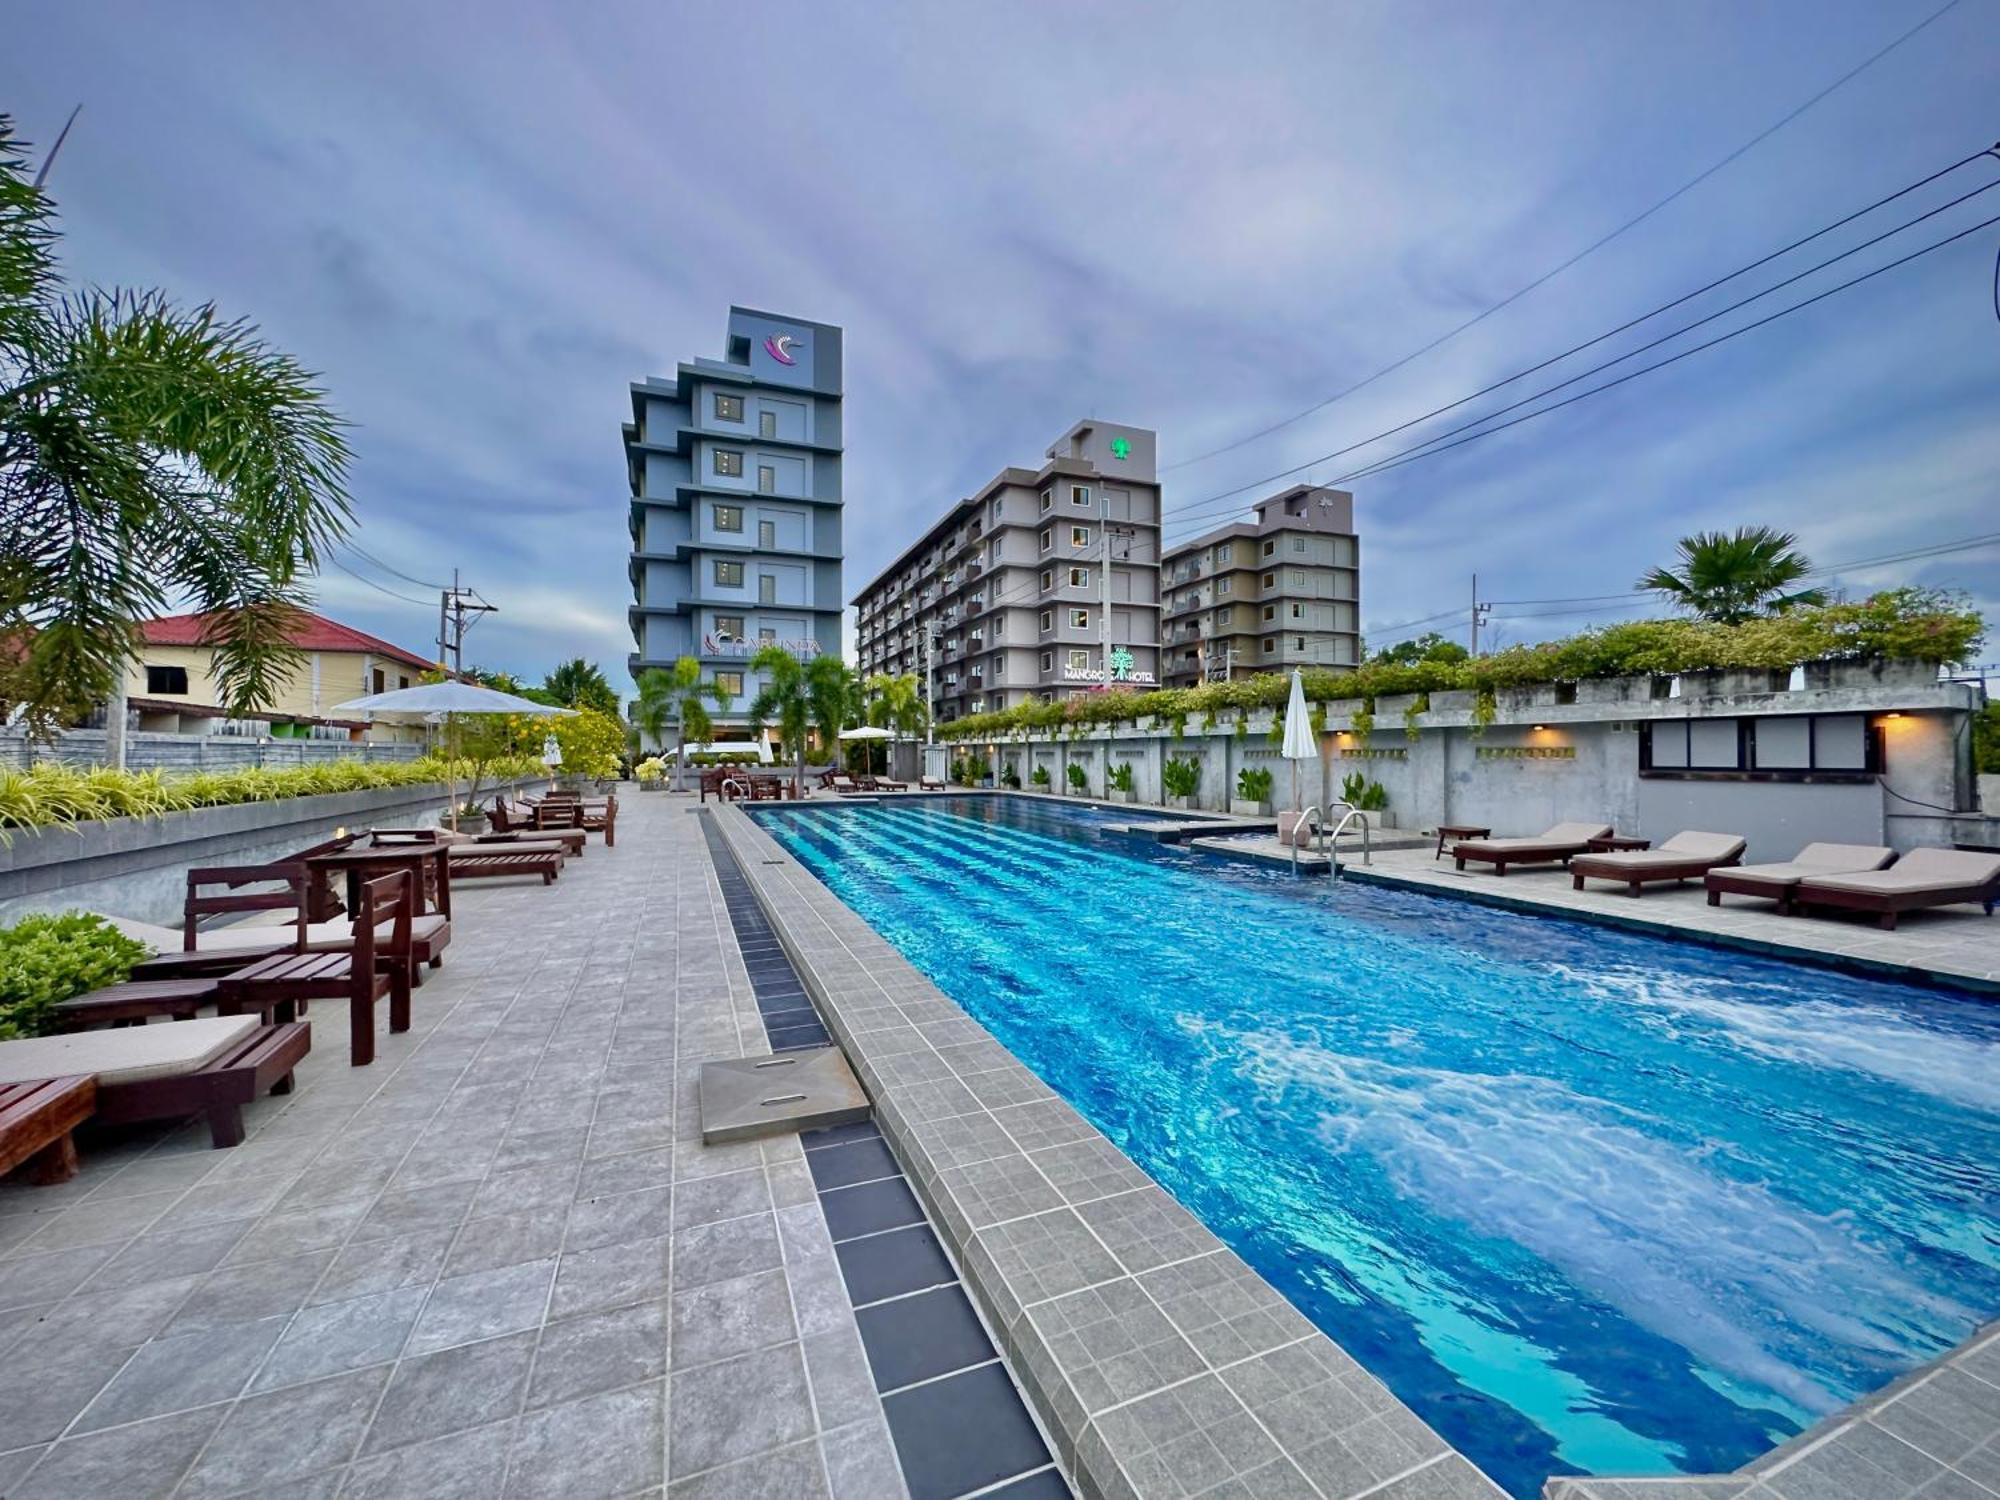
(1078, 777)
(1181, 776)
(833, 699)
(674, 696)
(1253, 783)
(1010, 776)
(590, 742)
(581, 684)
(785, 701)
(1986, 741)
(896, 703)
(650, 770)
(1731, 577)
(1119, 777)
(151, 456)
(1430, 646)
(1358, 791)
(45, 960)
(1039, 776)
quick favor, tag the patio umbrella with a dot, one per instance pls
(868, 732)
(441, 703)
(1300, 742)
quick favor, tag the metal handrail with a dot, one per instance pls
(1367, 846)
(1309, 813)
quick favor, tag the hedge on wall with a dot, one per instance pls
(50, 795)
(1925, 625)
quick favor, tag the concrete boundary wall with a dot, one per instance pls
(196, 752)
(137, 867)
(1541, 762)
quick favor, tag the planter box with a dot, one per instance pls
(1183, 804)
(1454, 701)
(1735, 682)
(1243, 809)
(1122, 796)
(1615, 690)
(1871, 672)
(1294, 828)
(1391, 707)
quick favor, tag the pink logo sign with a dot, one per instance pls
(779, 347)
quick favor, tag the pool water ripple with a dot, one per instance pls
(1588, 1201)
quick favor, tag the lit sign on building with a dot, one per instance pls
(779, 346)
(1122, 670)
(729, 645)
(1121, 448)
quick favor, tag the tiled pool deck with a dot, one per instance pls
(497, 1262)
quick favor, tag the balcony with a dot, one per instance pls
(973, 569)
(1187, 606)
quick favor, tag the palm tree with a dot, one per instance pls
(1731, 578)
(897, 703)
(581, 684)
(833, 696)
(151, 456)
(786, 700)
(675, 697)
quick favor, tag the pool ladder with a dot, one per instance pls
(1329, 845)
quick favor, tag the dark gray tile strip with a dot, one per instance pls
(927, 1349)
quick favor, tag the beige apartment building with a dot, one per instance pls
(1267, 595)
(1002, 600)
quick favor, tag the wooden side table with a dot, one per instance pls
(136, 1002)
(1457, 831)
(1617, 844)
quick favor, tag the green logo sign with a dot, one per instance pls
(1120, 448)
(1121, 664)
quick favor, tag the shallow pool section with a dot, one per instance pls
(1588, 1201)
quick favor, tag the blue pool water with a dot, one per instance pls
(1588, 1201)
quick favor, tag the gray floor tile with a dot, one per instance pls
(280, 1435)
(600, 1352)
(42, 1392)
(174, 1374)
(614, 1276)
(339, 1336)
(737, 1408)
(243, 1294)
(484, 1305)
(451, 1390)
(603, 1445)
(141, 1462)
(620, 1218)
(733, 1247)
(723, 1318)
(792, 1473)
(383, 1266)
(470, 1465)
(162, 1255)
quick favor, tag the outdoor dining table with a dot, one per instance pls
(359, 864)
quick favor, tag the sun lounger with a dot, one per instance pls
(1921, 878)
(36, 1120)
(498, 861)
(1778, 882)
(1558, 845)
(1682, 857)
(930, 784)
(210, 1067)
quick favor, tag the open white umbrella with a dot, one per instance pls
(868, 732)
(1301, 744)
(440, 703)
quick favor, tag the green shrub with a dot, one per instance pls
(1253, 784)
(1986, 740)
(1039, 776)
(45, 960)
(1119, 777)
(1010, 776)
(1078, 777)
(1358, 791)
(1181, 776)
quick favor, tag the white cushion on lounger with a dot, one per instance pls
(256, 937)
(1919, 872)
(125, 1054)
(1692, 845)
(1562, 833)
(1814, 861)
(552, 846)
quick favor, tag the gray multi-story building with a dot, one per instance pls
(1003, 599)
(1268, 595)
(735, 467)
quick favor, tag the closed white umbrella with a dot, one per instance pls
(440, 703)
(1301, 744)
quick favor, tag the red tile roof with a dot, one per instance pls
(316, 633)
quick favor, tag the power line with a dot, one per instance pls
(1194, 510)
(379, 588)
(1588, 250)
(361, 552)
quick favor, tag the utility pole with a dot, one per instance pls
(1479, 614)
(452, 623)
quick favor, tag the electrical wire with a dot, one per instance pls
(379, 588)
(1588, 250)
(368, 556)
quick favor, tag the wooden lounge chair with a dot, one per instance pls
(36, 1120)
(1558, 845)
(930, 784)
(211, 1067)
(1922, 878)
(430, 931)
(1685, 856)
(1778, 882)
(499, 861)
(362, 975)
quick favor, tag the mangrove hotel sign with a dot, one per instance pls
(729, 645)
(1122, 670)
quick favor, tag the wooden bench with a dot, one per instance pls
(36, 1121)
(137, 1002)
(495, 861)
(261, 1063)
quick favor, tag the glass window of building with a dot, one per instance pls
(1270, 547)
(175, 680)
(728, 408)
(1269, 646)
(1270, 611)
(1298, 611)
(1079, 578)
(1048, 577)
(767, 588)
(1079, 496)
(1079, 619)
(1079, 660)
(729, 462)
(1270, 580)
(729, 627)
(767, 424)
(728, 575)
(1222, 585)
(1079, 536)
(730, 683)
(1048, 619)
(728, 518)
(1048, 661)
(1048, 540)
(767, 632)
(767, 479)
(1298, 544)
(1048, 499)
(767, 534)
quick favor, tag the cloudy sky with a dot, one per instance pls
(481, 221)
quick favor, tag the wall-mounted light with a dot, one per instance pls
(1895, 713)
(1540, 727)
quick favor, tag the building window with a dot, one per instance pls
(728, 575)
(381, 679)
(1298, 611)
(728, 518)
(1270, 611)
(1048, 540)
(767, 588)
(999, 669)
(728, 408)
(730, 683)
(1270, 580)
(1079, 578)
(767, 534)
(402, 682)
(1048, 579)
(1270, 547)
(175, 680)
(729, 627)
(1079, 660)
(999, 626)
(1079, 619)
(1225, 614)
(1269, 646)
(1079, 536)
(1048, 661)
(730, 462)
(1079, 496)
(1298, 544)
(1048, 499)
(1222, 585)
(1298, 576)
(767, 424)
(1048, 619)
(767, 479)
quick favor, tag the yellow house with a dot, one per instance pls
(173, 682)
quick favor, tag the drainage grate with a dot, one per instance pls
(960, 1426)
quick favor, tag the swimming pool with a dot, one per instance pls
(1588, 1201)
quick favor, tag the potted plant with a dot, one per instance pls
(1010, 777)
(472, 819)
(1039, 778)
(1118, 783)
(651, 774)
(1079, 779)
(1253, 792)
(1181, 776)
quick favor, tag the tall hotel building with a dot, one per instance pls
(1267, 595)
(1001, 600)
(736, 502)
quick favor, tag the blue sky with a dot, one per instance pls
(480, 222)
